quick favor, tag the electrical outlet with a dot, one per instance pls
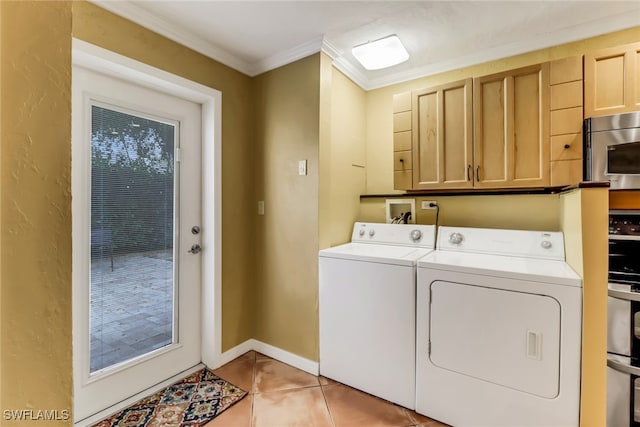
(429, 204)
(261, 207)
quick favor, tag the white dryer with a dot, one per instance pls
(499, 317)
(367, 309)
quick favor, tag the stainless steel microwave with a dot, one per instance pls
(612, 150)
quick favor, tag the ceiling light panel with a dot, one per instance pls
(381, 53)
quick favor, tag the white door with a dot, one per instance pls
(136, 187)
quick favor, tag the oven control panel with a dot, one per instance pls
(624, 223)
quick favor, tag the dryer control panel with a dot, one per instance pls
(516, 243)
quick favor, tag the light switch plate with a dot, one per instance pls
(260, 207)
(302, 167)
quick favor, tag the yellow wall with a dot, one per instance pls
(347, 160)
(1, 204)
(36, 357)
(324, 153)
(379, 102)
(287, 103)
(595, 229)
(35, 231)
(97, 26)
(571, 220)
(518, 211)
(584, 220)
(304, 110)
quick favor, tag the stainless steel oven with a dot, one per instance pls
(623, 337)
(612, 150)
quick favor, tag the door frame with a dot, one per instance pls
(106, 62)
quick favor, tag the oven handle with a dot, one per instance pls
(621, 367)
(624, 295)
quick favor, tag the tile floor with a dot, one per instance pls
(283, 396)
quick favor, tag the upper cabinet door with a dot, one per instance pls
(402, 169)
(511, 120)
(442, 137)
(612, 80)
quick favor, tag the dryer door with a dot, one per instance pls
(504, 337)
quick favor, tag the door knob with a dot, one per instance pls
(195, 249)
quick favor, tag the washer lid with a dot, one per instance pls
(386, 254)
(533, 269)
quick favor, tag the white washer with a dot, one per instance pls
(499, 316)
(367, 309)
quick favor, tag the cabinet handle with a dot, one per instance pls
(478, 173)
(468, 172)
(567, 146)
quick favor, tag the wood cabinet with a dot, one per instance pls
(511, 128)
(612, 80)
(566, 117)
(442, 137)
(486, 132)
(402, 168)
(517, 129)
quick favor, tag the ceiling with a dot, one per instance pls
(256, 36)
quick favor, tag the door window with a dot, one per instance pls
(132, 236)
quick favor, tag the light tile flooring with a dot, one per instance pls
(283, 396)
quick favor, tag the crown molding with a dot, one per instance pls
(288, 56)
(603, 25)
(343, 65)
(186, 38)
(176, 33)
(331, 50)
(353, 73)
(127, 10)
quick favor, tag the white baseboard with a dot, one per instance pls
(233, 353)
(279, 354)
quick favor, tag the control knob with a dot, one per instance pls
(416, 235)
(456, 238)
(546, 244)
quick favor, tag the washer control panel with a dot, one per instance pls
(394, 234)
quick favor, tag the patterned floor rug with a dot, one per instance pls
(191, 402)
